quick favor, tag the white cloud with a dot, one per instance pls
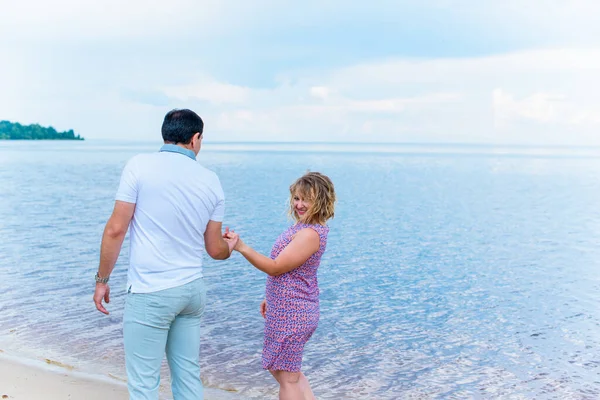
(75, 20)
(320, 92)
(539, 107)
(72, 65)
(209, 90)
(527, 97)
(547, 111)
(544, 96)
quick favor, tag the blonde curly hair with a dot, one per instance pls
(318, 189)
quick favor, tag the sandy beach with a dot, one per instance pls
(31, 380)
(24, 379)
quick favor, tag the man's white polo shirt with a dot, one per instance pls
(174, 198)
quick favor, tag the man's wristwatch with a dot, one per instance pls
(101, 280)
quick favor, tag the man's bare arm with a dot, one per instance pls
(216, 247)
(112, 240)
(114, 234)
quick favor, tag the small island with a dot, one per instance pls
(16, 131)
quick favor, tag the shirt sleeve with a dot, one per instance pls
(219, 212)
(128, 188)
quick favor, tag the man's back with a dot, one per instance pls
(173, 208)
(175, 199)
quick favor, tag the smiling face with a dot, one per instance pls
(312, 199)
(301, 205)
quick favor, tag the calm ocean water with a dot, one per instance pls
(451, 271)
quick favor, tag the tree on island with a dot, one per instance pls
(16, 131)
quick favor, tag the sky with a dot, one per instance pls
(427, 71)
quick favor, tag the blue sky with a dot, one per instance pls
(378, 71)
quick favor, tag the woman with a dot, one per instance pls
(291, 306)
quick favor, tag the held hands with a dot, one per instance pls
(232, 239)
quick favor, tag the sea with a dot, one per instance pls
(452, 271)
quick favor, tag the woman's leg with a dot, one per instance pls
(305, 386)
(289, 385)
(275, 375)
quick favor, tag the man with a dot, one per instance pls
(175, 207)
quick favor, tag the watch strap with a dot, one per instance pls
(101, 280)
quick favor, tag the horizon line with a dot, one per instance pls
(354, 143)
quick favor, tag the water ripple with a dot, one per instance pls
(445, 277)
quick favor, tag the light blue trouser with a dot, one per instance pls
(168, 320)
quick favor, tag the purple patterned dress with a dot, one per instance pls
(292, 306)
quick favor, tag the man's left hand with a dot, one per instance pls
(102, 292)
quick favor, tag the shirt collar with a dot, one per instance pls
(173, 148)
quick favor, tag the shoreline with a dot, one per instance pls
(32, 379)
(24, 379)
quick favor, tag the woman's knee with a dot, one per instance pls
(289, 378)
